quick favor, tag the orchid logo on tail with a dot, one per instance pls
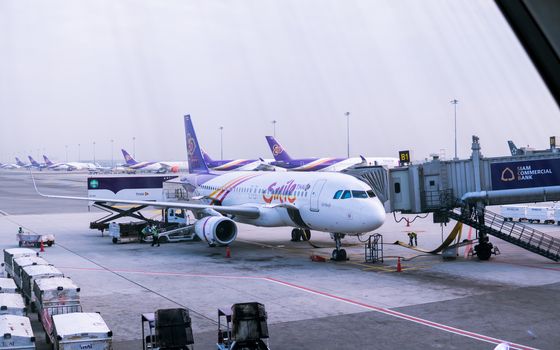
(277, 149)
(191, 146)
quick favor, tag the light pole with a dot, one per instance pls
(221, 143)
(66, 148)
(134, 147)
(93, 152)
(79, 154)
(112, 158)
(347, 114)
(454, 103)
(274, 128)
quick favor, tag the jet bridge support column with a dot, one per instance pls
(484, 248)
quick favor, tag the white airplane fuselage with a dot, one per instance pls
(298, 199)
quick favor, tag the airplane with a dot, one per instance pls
(36, 164)
(70, 166)
(527, 150)
(236, 164)
(283, 160)
(336, 203)
(22, 164)
(170, 166)
(9, 166)
(56, 166)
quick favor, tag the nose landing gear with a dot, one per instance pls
(338, 254)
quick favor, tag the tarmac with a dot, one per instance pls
(460, 303)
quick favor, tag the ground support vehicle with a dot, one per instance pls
(14, 253)
(81, 330)
(17, 333)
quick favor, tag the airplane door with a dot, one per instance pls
(315, 192)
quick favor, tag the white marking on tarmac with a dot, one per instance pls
(4, 213)
(382, 310)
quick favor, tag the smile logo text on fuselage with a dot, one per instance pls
(285, 193)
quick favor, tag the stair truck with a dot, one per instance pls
(22, 262)
(17, 333)
(14, 253)
(12, 304)
(30, 274)
(244, 328)
(7, 285)
(81, 330)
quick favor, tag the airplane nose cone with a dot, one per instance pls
(377, 217)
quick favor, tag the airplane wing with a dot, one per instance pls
(250, 212)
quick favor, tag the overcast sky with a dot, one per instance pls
(75, 72)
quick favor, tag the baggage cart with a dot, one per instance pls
(29, 274)
(12, 304)
(22, 262)
(27, 239)
(7, 285)
(14, 253)
(173, 329)
(17, 333)
(81, 330)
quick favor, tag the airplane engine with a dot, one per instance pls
(216, 230)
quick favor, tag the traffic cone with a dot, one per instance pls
(228, 252)
(42, 247)
(399, 267)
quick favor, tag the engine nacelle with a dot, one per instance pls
(216, 230)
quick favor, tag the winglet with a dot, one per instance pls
(195, 159)
(280, 155)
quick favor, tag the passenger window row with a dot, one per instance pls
(345, 194)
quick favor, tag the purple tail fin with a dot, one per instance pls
(47, 160)
(128, 158)
(32, 161)
(19, 162)
(194, 153)
(277, 150)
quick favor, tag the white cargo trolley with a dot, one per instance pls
(22, 262)
(12, 304)
(14, 253)
(7, 285)
(17, 333)
(30, 274)
(81, 330)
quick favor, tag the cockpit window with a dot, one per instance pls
(346, 195)
(370, 194)
(337, 194)
(359, 194)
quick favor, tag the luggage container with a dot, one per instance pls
(12, 304)
(55, 296)
(81, 330)
(22, 262)
(173, 329)
(17, 333)
(30, 273)
(14, 253)
(245, 327)
(7, 285)
(514, 212)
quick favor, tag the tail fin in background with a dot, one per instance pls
(277, 150)
(197, 165)
(206, 157)
(47, 160)
(19, 162)
(514, 150)
(128, 158)
(32, 161)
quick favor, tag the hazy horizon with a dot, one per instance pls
(75, 72)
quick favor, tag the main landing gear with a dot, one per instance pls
(299, 234)
(338, 254)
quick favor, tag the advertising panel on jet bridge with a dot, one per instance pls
(525, 174)
(146, 188)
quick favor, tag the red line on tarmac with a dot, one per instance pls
(385, 311)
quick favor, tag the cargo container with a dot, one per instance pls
(14, 253)
(55, 296)
(12, 304)
(537, 215)
(30, 273)
(17, 333)
(81, 330)
(7, 285)
(22, 262)
(514, 212)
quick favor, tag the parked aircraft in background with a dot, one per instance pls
(283, 160)
(22, 164)
(329, 202)
(36, 164)
(56, 166)
(528, 150)
(9, 166)
(236, 164)
(162, 166)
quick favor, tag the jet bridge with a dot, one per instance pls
(461, 190)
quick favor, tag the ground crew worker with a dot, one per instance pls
(144, 233)
(415, 236)
(410, 238)
(155, 235)
(20, 230)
